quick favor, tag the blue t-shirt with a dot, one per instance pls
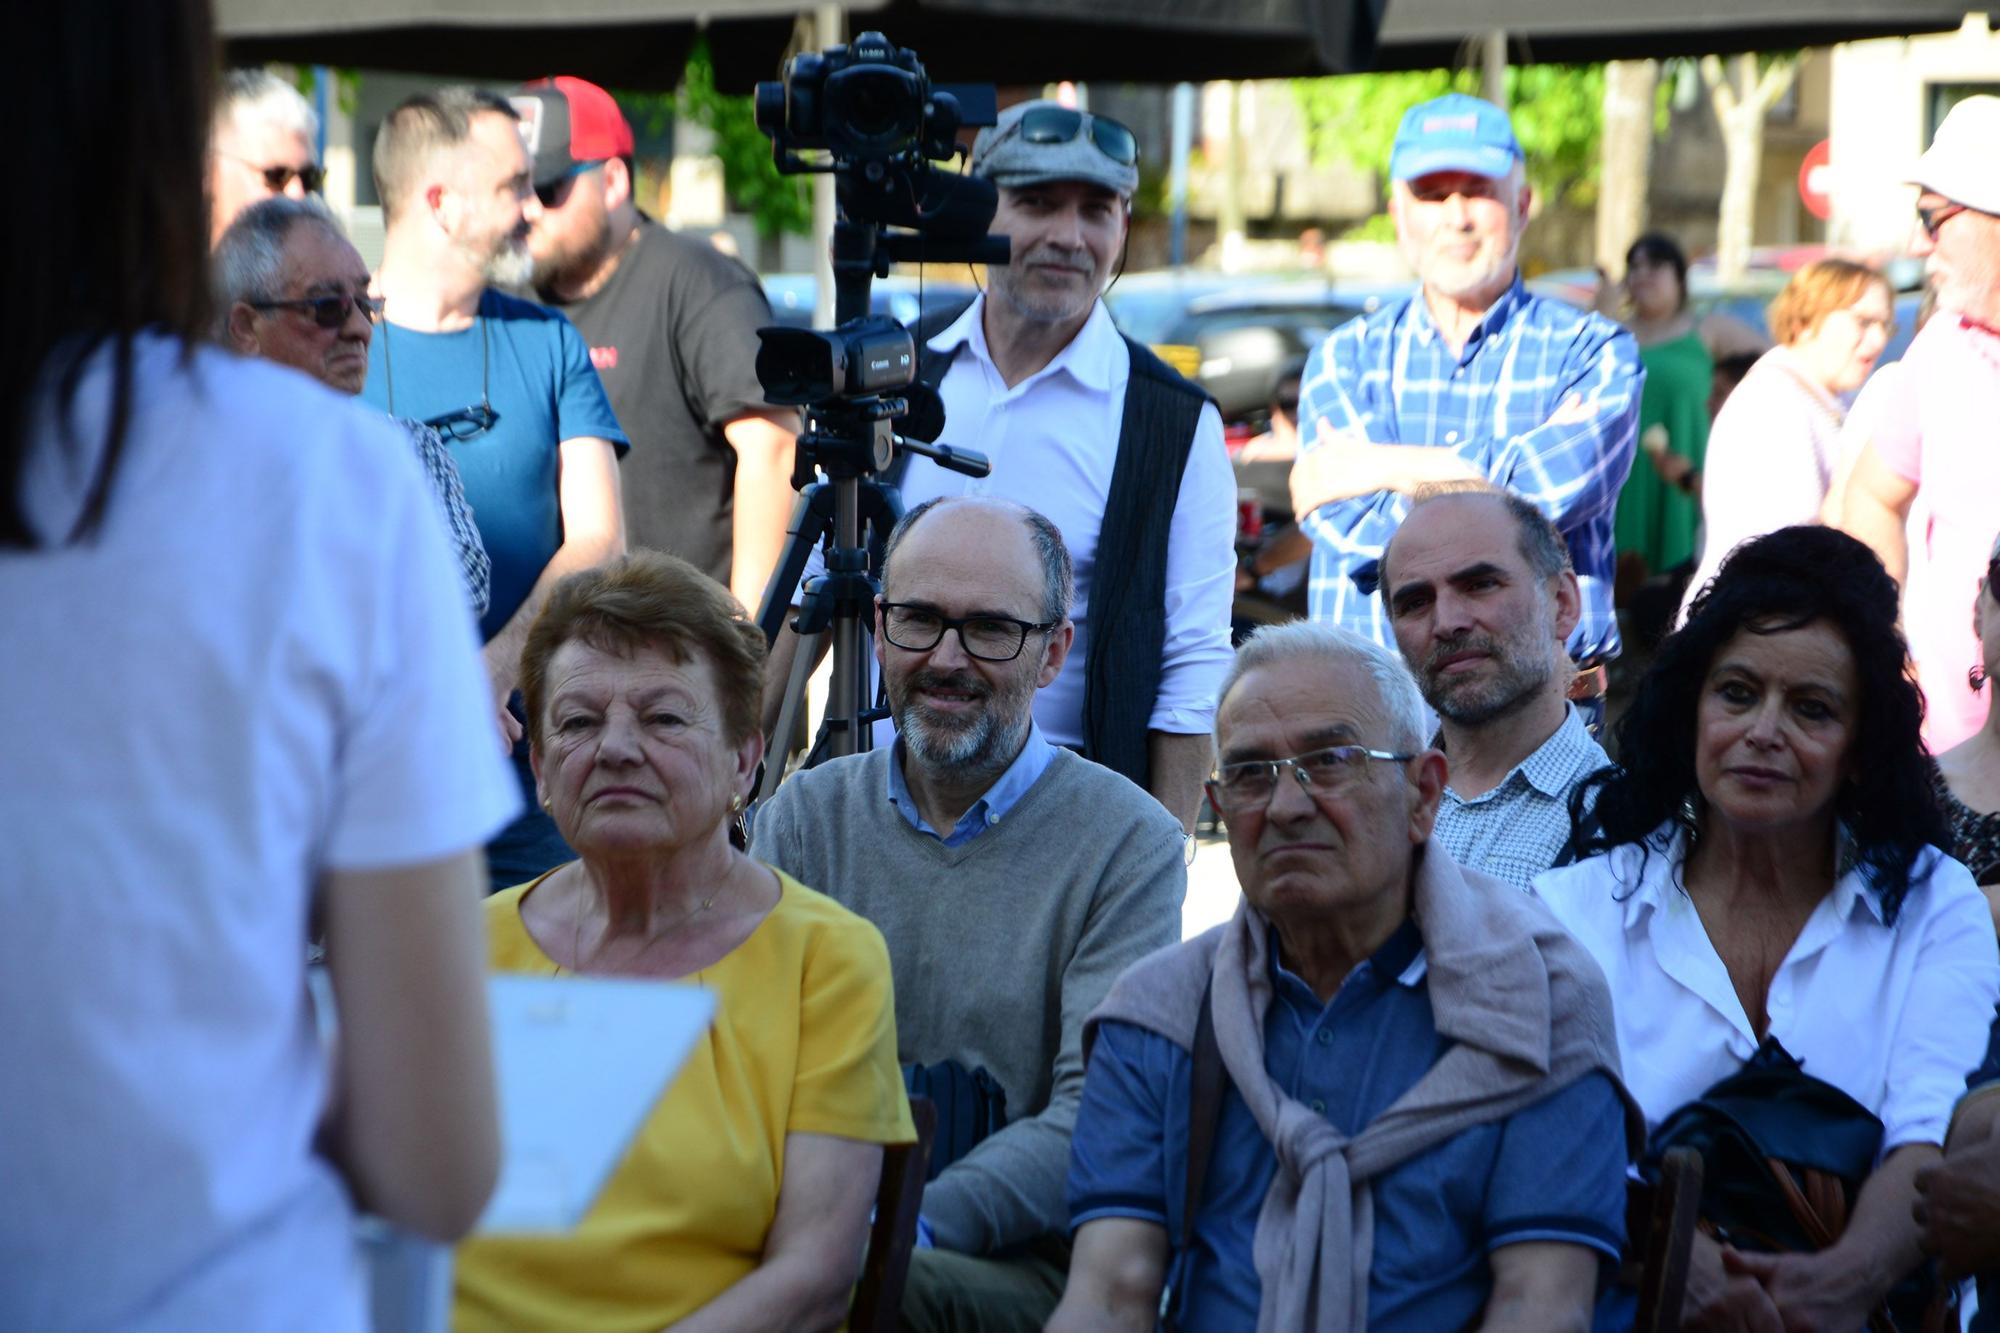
(539, 380)
(1552, 1172)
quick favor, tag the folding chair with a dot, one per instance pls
(878, 1296)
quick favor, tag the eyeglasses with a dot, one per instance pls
(329, 312)
(466, 422)
(1934, 217)
(556, 191)
(1061, 124)
(276, 178)
(919, 629)
(1249, 786)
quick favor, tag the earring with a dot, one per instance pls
(1976, 678)
(736, 804)
(546, 805)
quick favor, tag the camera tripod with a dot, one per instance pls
(853, 442)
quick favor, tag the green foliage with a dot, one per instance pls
(346, 86)
(749, 177)
(1353, 119)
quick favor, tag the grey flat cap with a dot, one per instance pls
(1004, 156)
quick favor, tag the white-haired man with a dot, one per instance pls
(264, 142)
(1364, 971)
(1934, 435)
(291, 288)
(1471, 378)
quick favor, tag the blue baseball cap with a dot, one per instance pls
(1455, 132)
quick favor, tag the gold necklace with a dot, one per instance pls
(576, 935)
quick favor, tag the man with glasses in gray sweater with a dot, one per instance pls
(1013, 880)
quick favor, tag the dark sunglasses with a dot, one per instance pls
(277, 178)
(1934, 217)
(329, 312)
(466, 422)
(1993, 577)
(1061, 124)
(557, 190)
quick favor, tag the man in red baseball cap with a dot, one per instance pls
(672, 327)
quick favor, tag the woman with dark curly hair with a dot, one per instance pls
(1769, 869)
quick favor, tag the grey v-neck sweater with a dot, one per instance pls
(1000, 947)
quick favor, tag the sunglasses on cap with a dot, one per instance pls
(329, 312)
(1061, 124)
(312, 176)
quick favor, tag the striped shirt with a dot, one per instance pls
(1543, 398)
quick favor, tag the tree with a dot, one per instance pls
(1353, 118)
(750, 178)
(1742, 95)
(1631, 108)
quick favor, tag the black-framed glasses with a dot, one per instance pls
(329, 312)
(918, 629)
(556, 191)
(1061, 124)
(276, 178)
(1934, 217)
(1249, 785)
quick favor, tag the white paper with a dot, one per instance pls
(582, 1062)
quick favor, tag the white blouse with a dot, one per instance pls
(1893, 1015)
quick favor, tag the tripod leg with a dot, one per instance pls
(788, 716)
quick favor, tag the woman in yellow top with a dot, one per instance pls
(743, 1203)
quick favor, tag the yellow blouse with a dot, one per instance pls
(804, 1041)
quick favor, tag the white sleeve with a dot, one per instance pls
(1201, 585)
(1949, 1010)
(420, 773)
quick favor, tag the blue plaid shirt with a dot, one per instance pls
(1392, 377)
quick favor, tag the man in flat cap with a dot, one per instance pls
(1091, 429)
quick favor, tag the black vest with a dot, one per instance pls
(1128, 595)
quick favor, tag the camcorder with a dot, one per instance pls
(870, 115)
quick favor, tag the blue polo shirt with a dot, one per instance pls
(1554, 1171)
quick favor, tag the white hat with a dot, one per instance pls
(1963, 161)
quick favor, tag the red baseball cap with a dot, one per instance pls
(568, 123)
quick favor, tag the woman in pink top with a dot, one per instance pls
(1774, 446)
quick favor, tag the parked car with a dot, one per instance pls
(1232, 334)
(902, 298)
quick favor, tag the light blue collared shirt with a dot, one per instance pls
(1002, 796)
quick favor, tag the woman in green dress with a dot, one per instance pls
(1660, 507)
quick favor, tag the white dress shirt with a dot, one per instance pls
(1893, 1015)
(1053, 440)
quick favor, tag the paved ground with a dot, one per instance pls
(1211, 890)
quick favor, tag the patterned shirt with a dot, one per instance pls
(1543, 398)
(1514, 831)
(442, 473)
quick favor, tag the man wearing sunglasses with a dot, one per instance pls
(672, 326)
(1011, 879)
(1236, 1163)
(1093, 430)
(290, 288)
(1934, 434)
(510, 382)
(1472, 378)
(263, 143)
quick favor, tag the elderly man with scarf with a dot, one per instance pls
(1385, 1095)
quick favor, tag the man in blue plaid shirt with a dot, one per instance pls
(1472, 378)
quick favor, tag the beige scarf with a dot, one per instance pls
(1525, 1006)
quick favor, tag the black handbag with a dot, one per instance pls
(971, 1107)
(1784, 1155)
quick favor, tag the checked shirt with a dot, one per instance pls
(1543, 398)
(442, 473)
